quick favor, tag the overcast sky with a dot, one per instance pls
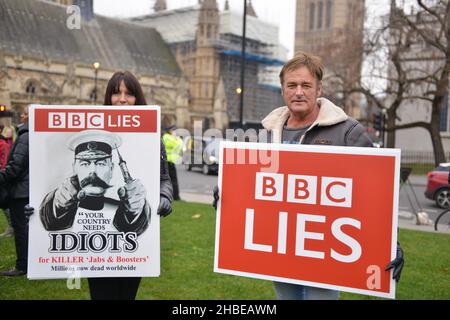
(278, 12)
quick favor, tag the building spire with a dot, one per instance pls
(87, 8)
(160, 5)
(209, 4)
(208, 22)
(65, 2)
(227, 6)
(250, 10)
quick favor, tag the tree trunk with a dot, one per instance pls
(390, 142)
(438, 149)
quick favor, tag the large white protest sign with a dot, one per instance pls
(94, 187)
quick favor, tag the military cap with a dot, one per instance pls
(93, 144)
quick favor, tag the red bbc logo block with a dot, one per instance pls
(75, 120)
(303, 189)
(109, 119)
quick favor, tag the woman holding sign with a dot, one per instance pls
(123, 89)
(93, 171)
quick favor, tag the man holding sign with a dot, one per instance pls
(306, 119)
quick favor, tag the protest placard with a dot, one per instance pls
(94, 187)
(319, 216)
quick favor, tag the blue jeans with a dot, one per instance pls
(289, 291)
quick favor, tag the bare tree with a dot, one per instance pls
(411, 55)
(431, 26)
(383, 89)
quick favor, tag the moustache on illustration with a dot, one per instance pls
(95, 181)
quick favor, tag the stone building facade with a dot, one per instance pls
(44, 61)
(333, 30)
(207, 43)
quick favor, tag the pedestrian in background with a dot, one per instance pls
(16, 176)
(174, 148)
(8, 131)
(4, 150)
(5, 146)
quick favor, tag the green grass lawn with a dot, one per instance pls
(187, 254)
(420, 169)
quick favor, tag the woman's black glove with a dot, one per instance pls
(397, 263)
(165, 207)
(216, 197)
(28, 210)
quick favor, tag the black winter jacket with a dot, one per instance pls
(16, 173)
(332, 127)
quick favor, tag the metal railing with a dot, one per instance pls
(420, 162)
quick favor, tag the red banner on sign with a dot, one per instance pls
(325, 216)
(63, 120)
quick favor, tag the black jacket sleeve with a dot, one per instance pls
(357, 137)
(17, 165)
(138, 226)
(48, 219)
(166, 189)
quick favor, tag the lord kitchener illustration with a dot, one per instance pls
(80, 204)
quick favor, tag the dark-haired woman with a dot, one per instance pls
(123, 89)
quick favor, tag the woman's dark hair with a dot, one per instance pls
(131, 83)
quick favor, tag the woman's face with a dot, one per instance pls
(123, 97)
(24, 116)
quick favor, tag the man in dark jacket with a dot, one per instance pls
(16, 176)
(309, 119)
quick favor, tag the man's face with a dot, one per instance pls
(88, 171)
(300, 92)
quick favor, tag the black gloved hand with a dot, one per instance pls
(216, 197)
(165, 207)
(28, 210)
(397, 263)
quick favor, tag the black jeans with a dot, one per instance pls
(114, 288)
(19, 222)
(174, 178)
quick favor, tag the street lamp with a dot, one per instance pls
(238, 90)
(96, 67)
(241, 93)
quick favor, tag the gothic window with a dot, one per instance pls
(31, 87)
(208, 32)
(312, 14)
(329, 13)
(320, 15)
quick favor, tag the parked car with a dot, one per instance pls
(201, 153)
(438, 188)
